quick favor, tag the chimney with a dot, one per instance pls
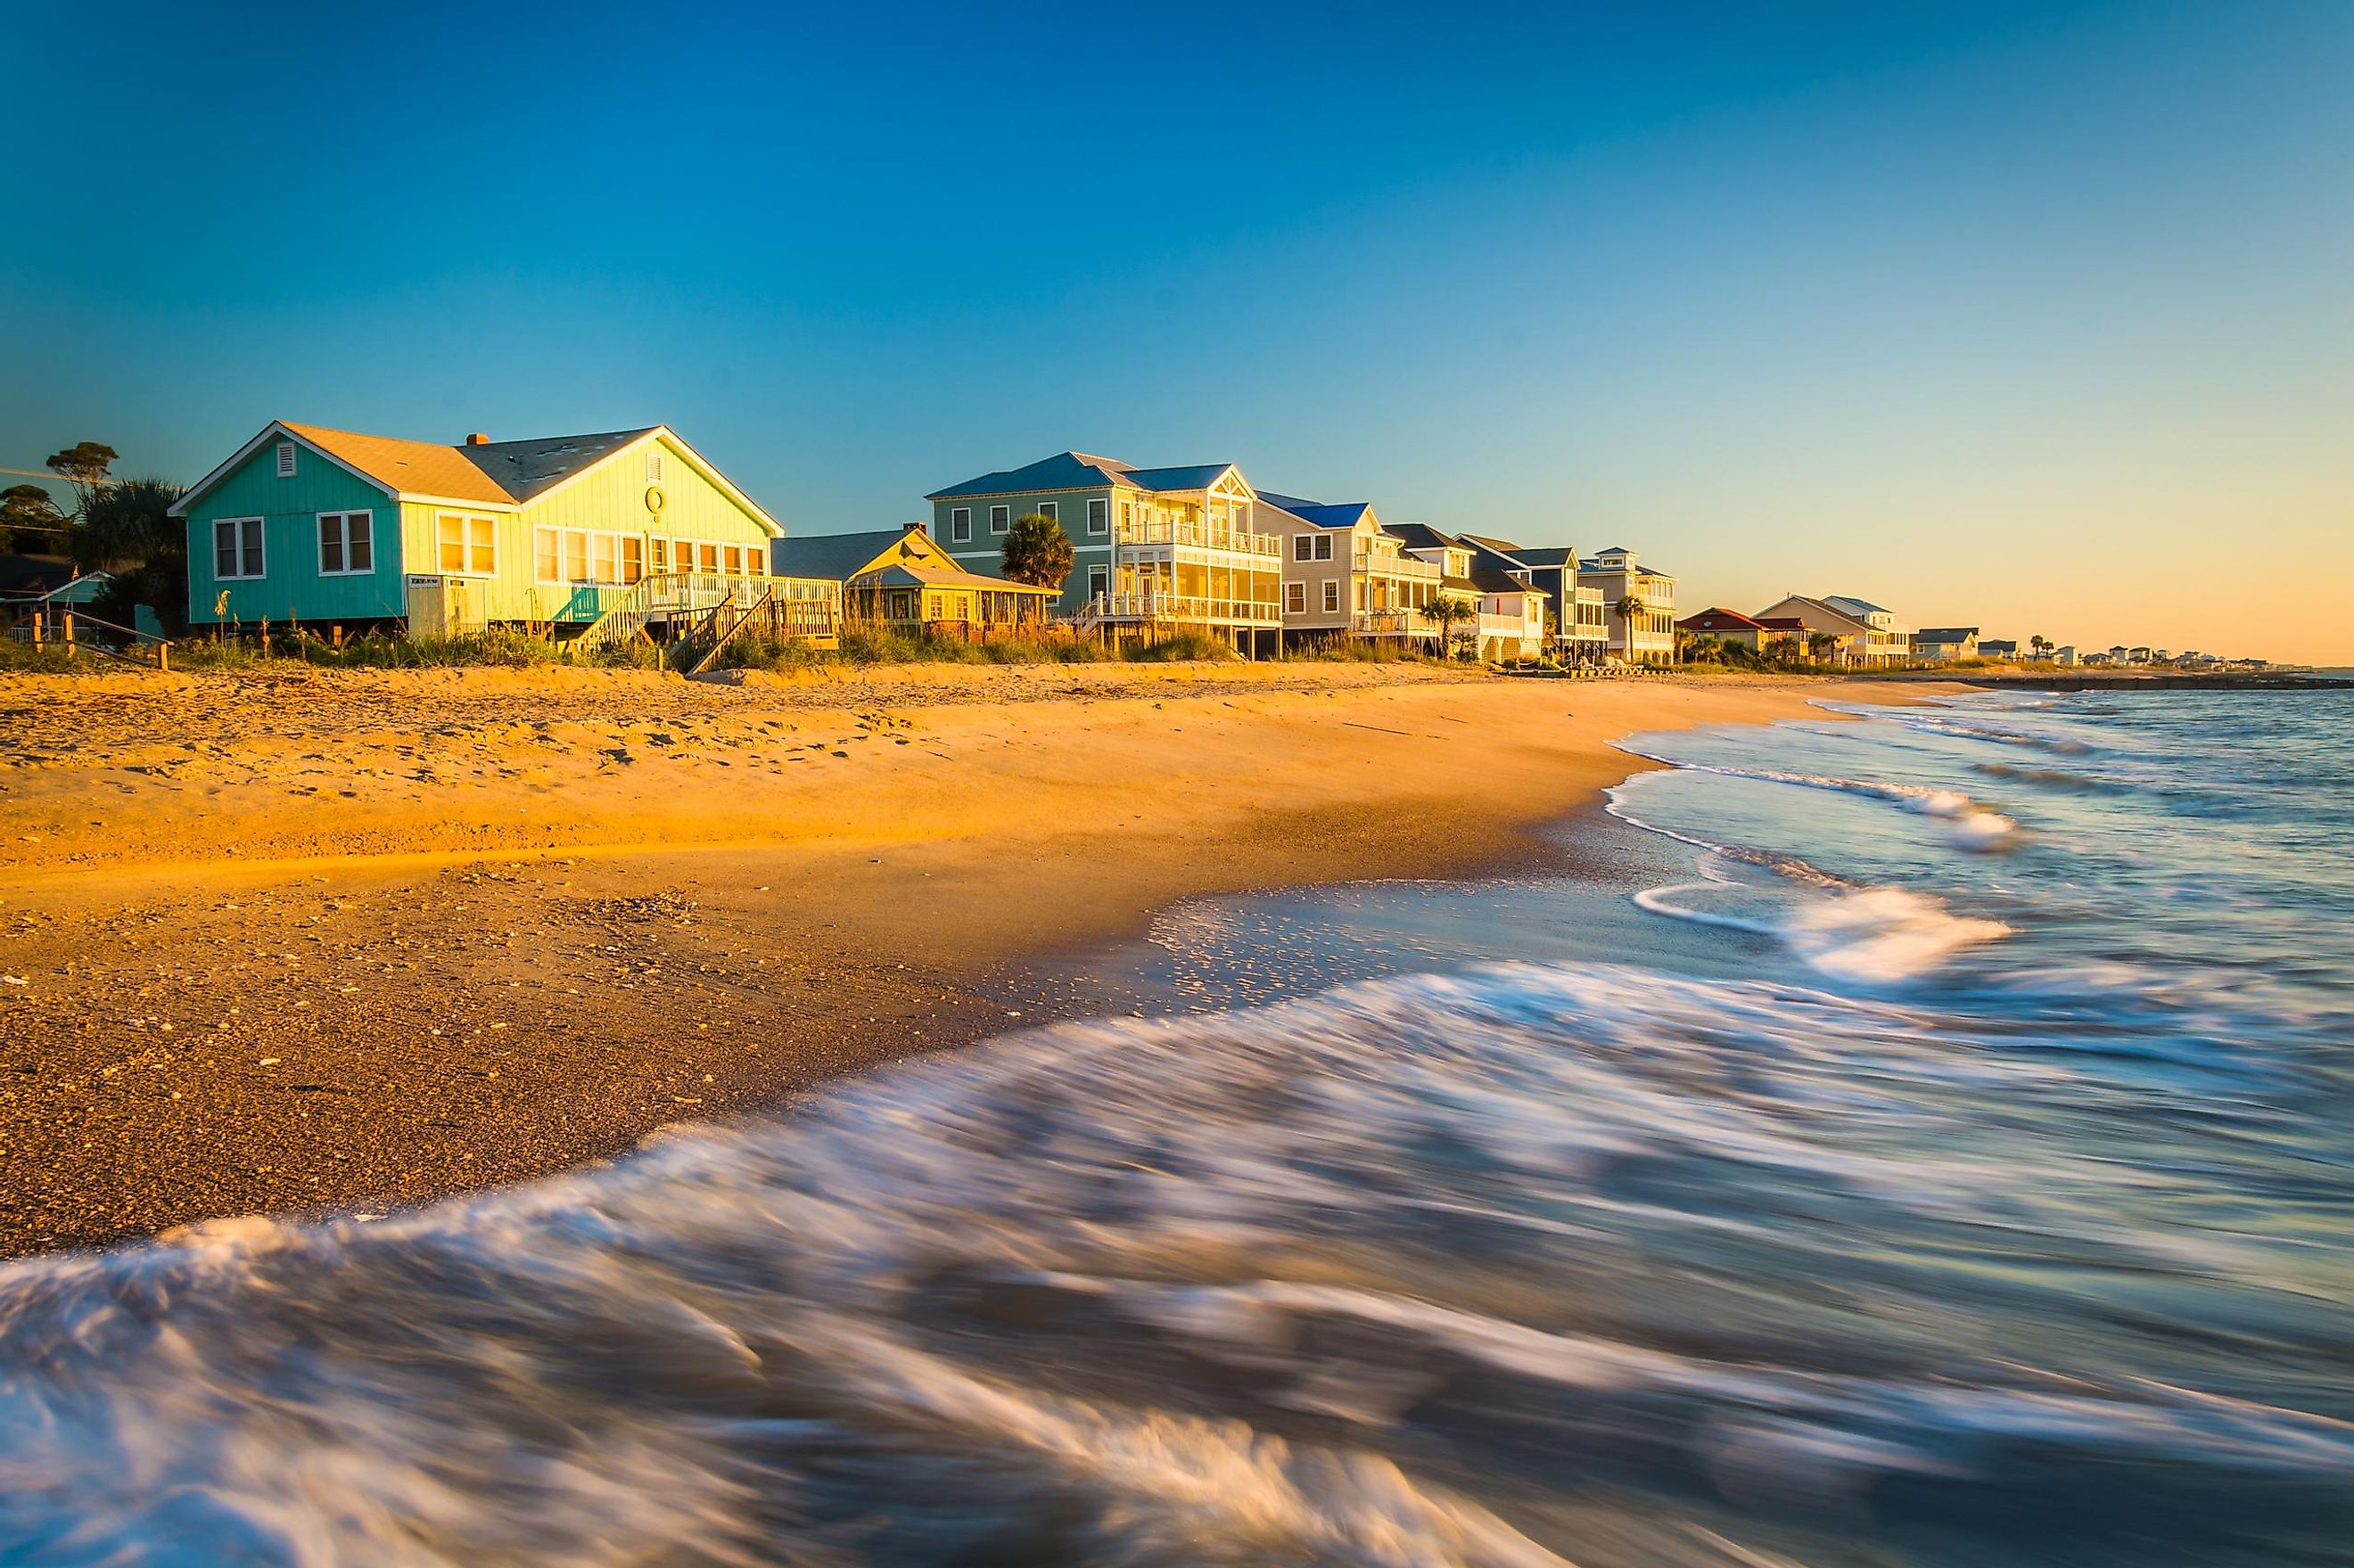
(478, 439)
(909, 528)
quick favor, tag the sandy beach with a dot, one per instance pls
(306, 939)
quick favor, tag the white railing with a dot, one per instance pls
(1395, 565)
(1390, 622)
(1182, 608)
(1201, 535)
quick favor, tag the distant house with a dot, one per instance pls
(1189, 547)
(1511, 614)
(1345, 575)
(1727, 626)
(305, 524)
(1853, 639)
(1617, 575)
(1997, 648)
(2064, 655)
(900, 577)
(1943, 644)
(1888, 643)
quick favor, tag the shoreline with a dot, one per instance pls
(346, 941)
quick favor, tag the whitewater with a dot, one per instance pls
(1867, 1188)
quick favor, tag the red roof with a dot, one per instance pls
(1716, 617)
(1782, 623)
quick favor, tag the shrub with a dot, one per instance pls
(1178, 647)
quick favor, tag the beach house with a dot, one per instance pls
(901, 578)
(1887, 642)
(1729, 627)
(1191, 548)
(1643, 630)
(1831, 635)
(1576, 621)
(1344, 575)
(304, 523)
(1943, 645)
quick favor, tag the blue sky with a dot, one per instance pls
(2002, 314)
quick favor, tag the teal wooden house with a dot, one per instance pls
(323, 526)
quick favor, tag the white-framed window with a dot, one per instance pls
(1323, 546)
(286, 460)
(658, 554)
(346, 544)
(1098, 516)
(1098, 581)
(1294, 598)
(1052, 509)
(1302, 547)
(1332, 597)
(960, 524)
(998, 517)
(237, 548)
(577, 557)
(466, 546)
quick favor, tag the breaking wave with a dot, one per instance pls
(1532, 1264)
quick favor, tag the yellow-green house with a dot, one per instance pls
(308, 524)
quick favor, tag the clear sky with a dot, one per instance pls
(2038, 317)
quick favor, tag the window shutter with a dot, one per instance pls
(286, 460)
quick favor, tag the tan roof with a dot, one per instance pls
(415, 468)
(949, 576)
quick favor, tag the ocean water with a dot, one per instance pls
(1938, 1151)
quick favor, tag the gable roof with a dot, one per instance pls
(1488, 542)
(402, 467)
(508, 474)
(1716, 617)
(930, 575)
(837, 556)
(525, 469)
(1495, 579)
(1945, 634)
(1850, 603)
(30, 574)
(1422, 536)
(1546, 556)
(1083, 470)
(1341, 515)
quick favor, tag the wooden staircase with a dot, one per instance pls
(704, 612)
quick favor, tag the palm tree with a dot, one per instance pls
(1821, 646)
(1037, 551)
(125, 524)
(2041, 644)
(1445, 612)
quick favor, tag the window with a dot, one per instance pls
(1332, 597)
(467, 545)
(1323, 546)
(659, 554)
(576, 555)
(237, 548)
(547, 555)
(346, 548)
(1303, 546)
(1294, 598)
(932, 607)
(960, 525)
(1126, 516)
(731, 560)
(706, 558)
(286, 460)
(997, 519)
(1098, 516)
(1098, 581)
(604, 560)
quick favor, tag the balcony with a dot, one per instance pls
(1202, 537)
(1410, 568)
(1396, 622)
(1183, 609)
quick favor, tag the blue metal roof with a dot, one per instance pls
(1198, 476)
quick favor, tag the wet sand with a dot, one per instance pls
(300, 940)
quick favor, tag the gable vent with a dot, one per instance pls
(286, 460)
(655, 467)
